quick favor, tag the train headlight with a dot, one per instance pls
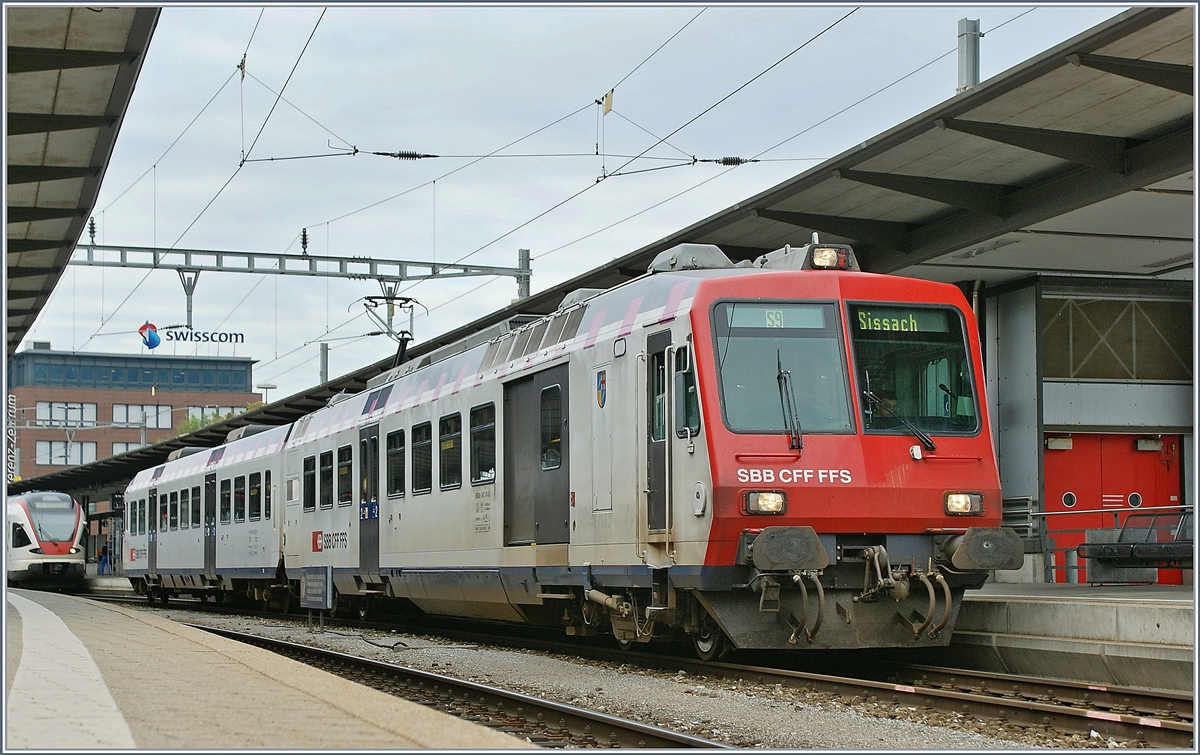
(964, 504)
(74, 549)
(827, 256)
(766, 502)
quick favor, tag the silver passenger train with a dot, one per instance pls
(702, 450)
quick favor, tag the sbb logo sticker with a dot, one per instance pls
(318, 542)
(323, 541)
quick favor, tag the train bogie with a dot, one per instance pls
(777, 456)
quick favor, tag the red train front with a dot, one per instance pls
(855, 489)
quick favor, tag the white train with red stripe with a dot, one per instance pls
(786, 454)
(44, 542)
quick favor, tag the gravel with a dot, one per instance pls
(740, 713)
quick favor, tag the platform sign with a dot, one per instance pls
(316, 587)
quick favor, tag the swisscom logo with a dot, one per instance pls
(151, 338)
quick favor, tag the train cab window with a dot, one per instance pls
(345, 478)
(267, 495)
(310, 483)
(327, 479)
(196, 507)
(775, 355)
(173, 511)
(450, 451)
(20, 538)
(483, 444)
(254, 494)
(551, 420)
(239, 499)
(422, 472)
(915, 361)
(226, 501)
(395, 464)
(687, 403)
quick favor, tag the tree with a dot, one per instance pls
(192, 424)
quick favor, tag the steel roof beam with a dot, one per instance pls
(1167, 156)
(1173, 76)
(27, 174)
(1103, 152)
(36, 123)
(27, 59)
(33, 245)
(21, 271)
(34, 214)
(886, 234)
(968, 195)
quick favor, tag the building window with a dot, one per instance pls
(120, 448)
(158, 417)
(1129, 340)
(60, 453)
(327, 479)
(422, 436)
(345, 481)
(239, 499)
(226, 502)
(395, 463)
(483, 444)
(450, 451)
(310, 483)
(65, 414)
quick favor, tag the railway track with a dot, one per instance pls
(1151, 717)
(542, 722)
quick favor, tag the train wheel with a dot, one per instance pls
(625, 644)
(708, 640)
(285, 600)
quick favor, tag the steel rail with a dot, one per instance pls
(491, 706)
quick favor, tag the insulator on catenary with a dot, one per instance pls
(408, 155)
(731, 161)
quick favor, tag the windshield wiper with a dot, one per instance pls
(787, 402)
(921, 436)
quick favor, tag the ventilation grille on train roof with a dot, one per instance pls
(690, 257)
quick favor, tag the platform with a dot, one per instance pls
(1138, 636)
(84, 675)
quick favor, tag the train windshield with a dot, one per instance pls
(53, 518)
(915, 361)
(758, 341)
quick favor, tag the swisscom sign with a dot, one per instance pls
(151, 338)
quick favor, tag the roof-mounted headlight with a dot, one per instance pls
(831, 257)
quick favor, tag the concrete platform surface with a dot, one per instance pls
(83, 675)
(1135, 635)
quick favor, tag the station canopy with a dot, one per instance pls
(1078, 161)
(70, 75)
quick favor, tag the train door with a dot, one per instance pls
(210, 525)
(152, 534)
(537, 483)
(368, 502)
(657, 345)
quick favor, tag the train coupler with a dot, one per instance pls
(768, 590)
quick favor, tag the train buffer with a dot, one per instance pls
(1147, 540)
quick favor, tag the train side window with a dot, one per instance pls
(185, 506)
(422, 472)
(483, 444)
(687, 403)
(395, 464)
(226, 501)
(239, 499)
(141, 516)
(173, 511)
(572, 325)
(310, 483)
(20, 538)
(254, 495)
(267, 495)
(345, 478)
(551, 413)
(658, 396)
(327, 479)
(450, 451)
(196, 507)
(164, 513)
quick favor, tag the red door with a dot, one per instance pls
(1100, 479)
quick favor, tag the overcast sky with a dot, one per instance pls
(466, 81)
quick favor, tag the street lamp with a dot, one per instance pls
(266, 388)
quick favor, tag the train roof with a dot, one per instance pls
(259, 445)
